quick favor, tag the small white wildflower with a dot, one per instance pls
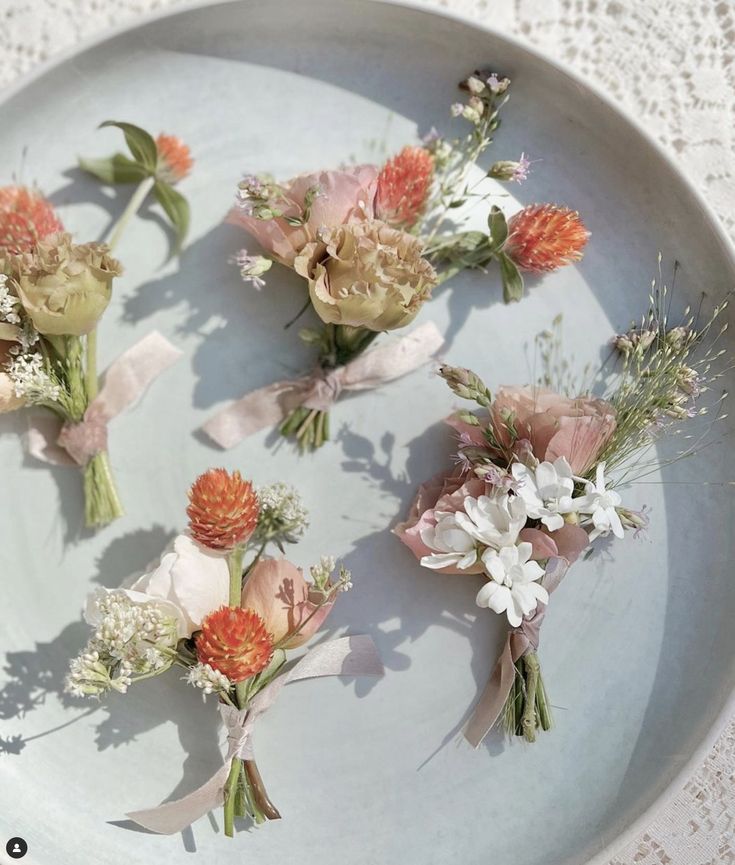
(30, 379)
(601, 505)
(211, 681)
(283, 517)
(497, 85)
(9, 303)
(322, 572)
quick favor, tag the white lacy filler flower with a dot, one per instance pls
(601, 504)
(208, 679)
(546, 490)
(513, 588)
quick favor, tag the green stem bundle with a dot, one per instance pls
(245, 793)
(527, 708)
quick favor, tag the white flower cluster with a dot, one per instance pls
(211, 681)
(484, 535)
(31, 381)
(9, 303)
(131, 640)
(321, 576)
(283, 517)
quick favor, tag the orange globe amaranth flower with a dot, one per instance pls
(403, 185)
(223, 510)
(543, 237)
(175, 158)
(235, 642)
(25, 218)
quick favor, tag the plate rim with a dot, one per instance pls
(676, 786)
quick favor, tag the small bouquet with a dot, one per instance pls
(537, 482)
(53, 292)
(226, 615)
(372, 243)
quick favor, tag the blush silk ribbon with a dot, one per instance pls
(269, 405)
(519, 641)
(127, 378)
(346, 656)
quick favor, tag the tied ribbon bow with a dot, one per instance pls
(346, 656)
(519, 642)
(126, 379)
(269, 405)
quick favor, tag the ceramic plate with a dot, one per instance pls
(637, 647)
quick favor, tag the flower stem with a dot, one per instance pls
(137, 199)
(529, 721)
(231, 795)
(102, 502)
(262, 800)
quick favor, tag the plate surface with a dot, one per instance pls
(637, 647)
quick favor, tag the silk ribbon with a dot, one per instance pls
(346, 656)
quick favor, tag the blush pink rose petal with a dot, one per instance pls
(555, 425)
(278, 592)
(345, 195)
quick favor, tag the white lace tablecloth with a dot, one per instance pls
(671, 64)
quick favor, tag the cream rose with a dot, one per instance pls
(65, 287)
(366, 274)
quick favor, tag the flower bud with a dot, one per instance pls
(65, 287)
(508, 170)
(466, 384)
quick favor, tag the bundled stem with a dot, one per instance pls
(339, 345)
(245, 793)
(527, 707)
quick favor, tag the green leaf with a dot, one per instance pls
(176, 208)
(498, 228)
(140, 142)
(512, 279)
(114, 169)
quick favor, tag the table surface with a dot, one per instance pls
(667, 62)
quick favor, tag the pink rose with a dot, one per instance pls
(445, 494)
(555, 425)
(278, 592)
(344, 196)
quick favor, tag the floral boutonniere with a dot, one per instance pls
(53, 294)
(371, 243)
(538, 481)
(226, 616)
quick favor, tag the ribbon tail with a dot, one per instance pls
(129, 376)
(492, 700)
(41, 441)
(393, 360)
(257, 410)
(173, 817)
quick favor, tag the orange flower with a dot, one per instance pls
(175, 158)
(235, 642)
(403, 185)
(25, 218)
(543, 237)
(223, 510)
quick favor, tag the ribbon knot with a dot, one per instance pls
(85, 439)
(126, 379)
(268, 406)
(327, 386)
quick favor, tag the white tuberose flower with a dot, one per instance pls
(512, 588)
(602, 505)
(487, 521)
(546, 490)
(454, 546)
